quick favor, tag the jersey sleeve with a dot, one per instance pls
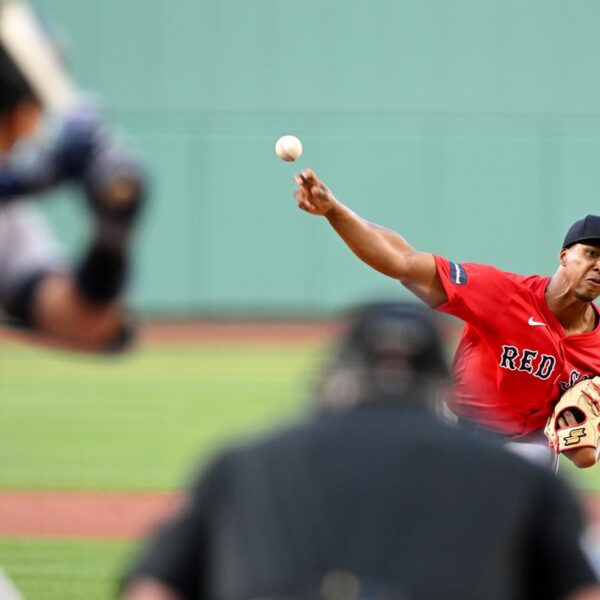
(476, 293)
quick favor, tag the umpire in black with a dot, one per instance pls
(373, 497)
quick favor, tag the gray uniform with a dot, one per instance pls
(27, 247)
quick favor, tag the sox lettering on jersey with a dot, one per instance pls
(514, 359)
(529, 361)
(574, 377)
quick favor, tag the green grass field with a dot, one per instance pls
(64, 569)
(139, 422)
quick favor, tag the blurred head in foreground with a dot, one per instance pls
(388, 351)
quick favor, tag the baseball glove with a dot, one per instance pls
(583, 401)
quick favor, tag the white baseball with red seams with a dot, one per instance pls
(288, 148)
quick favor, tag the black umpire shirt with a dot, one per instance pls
(383, 499)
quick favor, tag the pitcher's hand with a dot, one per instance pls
(312, 195)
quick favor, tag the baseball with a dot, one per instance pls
(288, 148)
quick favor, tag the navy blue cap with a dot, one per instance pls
(584, 231)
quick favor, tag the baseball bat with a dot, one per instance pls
(29, 46)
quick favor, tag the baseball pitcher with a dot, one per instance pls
(527, 340)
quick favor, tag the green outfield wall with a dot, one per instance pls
(471, 126)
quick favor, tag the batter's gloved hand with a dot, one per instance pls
(115, 183)
(113, 179)
(575, 421)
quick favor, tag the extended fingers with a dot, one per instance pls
(301, 197)
(307, 178)
(318, 190)
(312, 194)
(309, 187)
(567, 419)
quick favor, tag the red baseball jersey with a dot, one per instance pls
(514, 358)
